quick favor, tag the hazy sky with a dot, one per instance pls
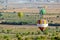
(13, 0)
(26, 0)
(17, 1)
(22, 1)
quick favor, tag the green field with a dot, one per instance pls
(28, 32)
(29, 18)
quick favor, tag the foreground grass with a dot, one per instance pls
(29, 32)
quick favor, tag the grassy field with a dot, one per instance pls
(29, 18)
(28, 32)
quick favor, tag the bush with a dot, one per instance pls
(46, 32)
(53, 34)
(32, 33)
(5, 37)
(8, 31)
(17, 35)
(3, 31)
(39, 32)
(23, 33)
(19, 38)
(52, 38)
(57, 16)
(27, 33)
(55, 38)
(51, 21)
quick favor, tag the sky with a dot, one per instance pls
(17, 1)
(23, 1)
(13, 0)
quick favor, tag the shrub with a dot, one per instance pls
(19, 38)
(3, 31)
(8, 31)
(46, 32)
(17, 35)
(57, 16)
(23, 33)
(27, 33)
(52, 38)
(39, 32)
(5, 37)
(53, 34)
(51, 21)
(55, 38)
(32, 33)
